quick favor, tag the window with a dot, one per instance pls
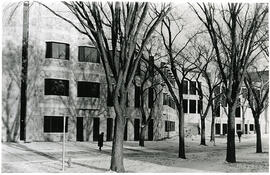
(251, 127)
(238, 127)
(192, 106)
(169, 126)
(218, 111)
(150, 97)
(185, 87)
(55, 124)
(217, 128)
(185, 105)
(165, 99)
(56, 87)
(172, 125)
(200, 106)
(88, 54)
(88, 89)
(238, 112)
(57, 50)
(192, 88)
(137, 97)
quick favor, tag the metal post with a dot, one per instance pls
(63, 148)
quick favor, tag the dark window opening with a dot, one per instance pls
(169, 126)
(192, 88)
(165, 99)
(185, 87)
(88, 89)
(218, 111)
(192, 106)
(217, 128)
(137, 97)
(251, 127)
(185, 105)
(57, 50)
(238, 112)
(150, 97)
(224, 128)
(56, 87)
(136, 129)
(109, 134)
(238, 126)
(55, 124)
(200, 106)
(88, 54)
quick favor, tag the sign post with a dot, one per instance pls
(63, 146)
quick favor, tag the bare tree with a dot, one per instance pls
(257, 84)
(150, 86)
(204, 62)
(175, 68)
(114, 28)
(233, 31)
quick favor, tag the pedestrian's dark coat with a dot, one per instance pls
(100, 140)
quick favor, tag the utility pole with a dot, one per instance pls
(24, 69)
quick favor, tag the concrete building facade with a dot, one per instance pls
(62, 65)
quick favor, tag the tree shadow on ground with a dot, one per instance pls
(89, 166)
(25, 148)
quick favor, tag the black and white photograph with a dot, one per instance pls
(135, 86)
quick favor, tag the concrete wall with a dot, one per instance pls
(45, 27)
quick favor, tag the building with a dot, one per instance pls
(66, 79)
(243, 117)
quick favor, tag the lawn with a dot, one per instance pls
(156, 156)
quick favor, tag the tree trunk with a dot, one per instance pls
(258, 135)
(243, 126)
(181, 153)
(142, 135)
(230, 156)
(203, 131)
(8, 134)
(117, 147)
(212, 137)
(243, 121)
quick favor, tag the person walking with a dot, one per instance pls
(100, 140)
(239, 134)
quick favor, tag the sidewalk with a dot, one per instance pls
(156, 156)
